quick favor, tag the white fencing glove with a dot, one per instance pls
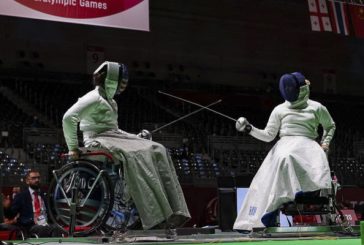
(145, 134)
(242, 125)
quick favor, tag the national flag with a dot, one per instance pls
(319, 15)
(339, 17)
(357, 18)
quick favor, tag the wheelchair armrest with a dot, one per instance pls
(98, 154)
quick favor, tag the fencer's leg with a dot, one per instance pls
(271, 219)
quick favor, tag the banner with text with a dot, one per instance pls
(128, 14)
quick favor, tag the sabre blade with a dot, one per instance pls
(190, 114)
(196, 104)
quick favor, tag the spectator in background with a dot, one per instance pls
(15, 191)
(9, 218)
(29, 206)
(4, 138)
(35, 123)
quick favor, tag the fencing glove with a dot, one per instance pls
(242, 125)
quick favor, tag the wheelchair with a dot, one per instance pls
(89, 195)
(321, 203)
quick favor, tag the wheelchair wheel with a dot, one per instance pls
(123, 214)
(91, 191)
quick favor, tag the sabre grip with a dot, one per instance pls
(242, 125)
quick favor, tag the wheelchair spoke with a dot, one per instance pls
(92, 187)
(60, 187)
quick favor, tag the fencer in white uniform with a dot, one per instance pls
(147, 166)
(297, 162)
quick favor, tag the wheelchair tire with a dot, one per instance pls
(96, 208)
(123, 214)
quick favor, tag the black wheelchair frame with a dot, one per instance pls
(326, 204)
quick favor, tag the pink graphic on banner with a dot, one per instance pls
(80, 9)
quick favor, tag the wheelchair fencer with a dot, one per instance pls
(89, 194)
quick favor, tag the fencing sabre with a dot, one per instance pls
(189, 114)
(193, 103)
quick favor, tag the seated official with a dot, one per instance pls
(29, 206)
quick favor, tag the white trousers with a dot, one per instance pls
(294, 164)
